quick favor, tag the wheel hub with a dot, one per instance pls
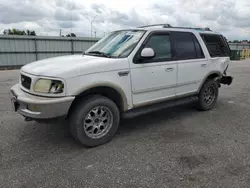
(98, 122)
(209, 95)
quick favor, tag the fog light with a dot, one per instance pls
(33, 107)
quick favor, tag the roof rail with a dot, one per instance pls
(169, 26)
(196, 28)
(163, 25)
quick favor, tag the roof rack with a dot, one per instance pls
(195, 28)
(163, 25)
(169, 26)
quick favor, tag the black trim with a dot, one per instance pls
(195, 40)
(159, 105)
(192, 36)
(123, 73)
(25, 81)
(45, 121)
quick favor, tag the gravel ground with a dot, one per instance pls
(174, 147)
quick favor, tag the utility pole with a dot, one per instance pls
(91, 24)
(60, 33)
(95, 34)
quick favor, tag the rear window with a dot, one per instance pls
(216, 45)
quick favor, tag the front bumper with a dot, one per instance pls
(40, 108)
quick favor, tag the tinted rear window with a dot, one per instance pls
(216, 45)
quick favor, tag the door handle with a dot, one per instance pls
(203, 65)
(169, 69)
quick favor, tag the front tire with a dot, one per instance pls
(208, 95)
(94, 121)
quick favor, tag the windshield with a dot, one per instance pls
(118, 44)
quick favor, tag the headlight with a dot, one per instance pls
(48, 86)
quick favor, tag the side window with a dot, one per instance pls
(184, 46)
(160, 43)
(198, 49)
(226, 46)
(216, 45)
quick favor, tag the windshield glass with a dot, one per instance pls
(117, 44)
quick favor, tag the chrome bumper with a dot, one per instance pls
(35, 107)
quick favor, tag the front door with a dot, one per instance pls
(154, 79)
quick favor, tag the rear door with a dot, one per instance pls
(191, 62)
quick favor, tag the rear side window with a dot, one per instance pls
(186, 46)
(216, 45)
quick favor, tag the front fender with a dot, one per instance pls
(106, 84)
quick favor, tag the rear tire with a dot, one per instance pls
(208, 95)
(94, 121)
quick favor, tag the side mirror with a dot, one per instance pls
(147, 53)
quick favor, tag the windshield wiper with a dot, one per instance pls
(99, 53)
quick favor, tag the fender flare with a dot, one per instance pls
(117, 88)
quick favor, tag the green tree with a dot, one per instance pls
(32, 33)
(71, 35)
(236, 41)
(15, 31)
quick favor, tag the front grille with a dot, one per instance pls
(25, 81)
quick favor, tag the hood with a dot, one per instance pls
(72, 66)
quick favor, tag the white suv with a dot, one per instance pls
(125, 70)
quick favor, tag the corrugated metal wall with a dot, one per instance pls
(20, 50)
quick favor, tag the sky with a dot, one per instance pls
(47, 17)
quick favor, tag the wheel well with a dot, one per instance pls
(108, 92)
(212, 76)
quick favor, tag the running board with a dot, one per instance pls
(158, 106)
